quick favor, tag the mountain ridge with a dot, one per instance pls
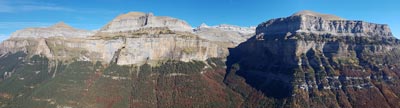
(162, 38)
(321, 24)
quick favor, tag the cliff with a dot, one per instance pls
(136, 20)
(141, 38)
(317, 60)
(320, 24)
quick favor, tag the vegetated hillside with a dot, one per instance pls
(93, 85)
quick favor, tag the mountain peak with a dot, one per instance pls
(132, 15)
(61, 25)
(203, 25)
(312, 13)
(136, 20)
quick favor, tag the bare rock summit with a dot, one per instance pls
(321, 24)
(312, 13)
(136, 20)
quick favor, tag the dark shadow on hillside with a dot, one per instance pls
(270, 74)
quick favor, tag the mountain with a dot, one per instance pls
(321, 24)
(136, 60)
(225, 33)
(141, 38)
(317, 60)
(140, 60)
(136, 20)
(60, 29)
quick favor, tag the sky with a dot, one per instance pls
(93, 14)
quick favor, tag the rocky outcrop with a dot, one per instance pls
(60, 29)
(136, 20)
(43, 49)
(225, 33)
(140, 50)
(321, 24)
(13, 46)
(317, 60)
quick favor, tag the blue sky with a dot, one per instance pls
(93, 14)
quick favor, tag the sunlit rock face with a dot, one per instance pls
(136, 20)
(322, 24)
(127, 50)
(139, 50)
(138, 61)
(132, 38)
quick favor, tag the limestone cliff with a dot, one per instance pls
(318, 60)
(136, 20)
(141, 38)
(111, 67)
(321, 24)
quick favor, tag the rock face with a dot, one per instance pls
(225, 33)
(136, 20)
(141, 38)
(60, 29)
(129, 49)
(317, 60)
(321, 24)
(168, 47)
